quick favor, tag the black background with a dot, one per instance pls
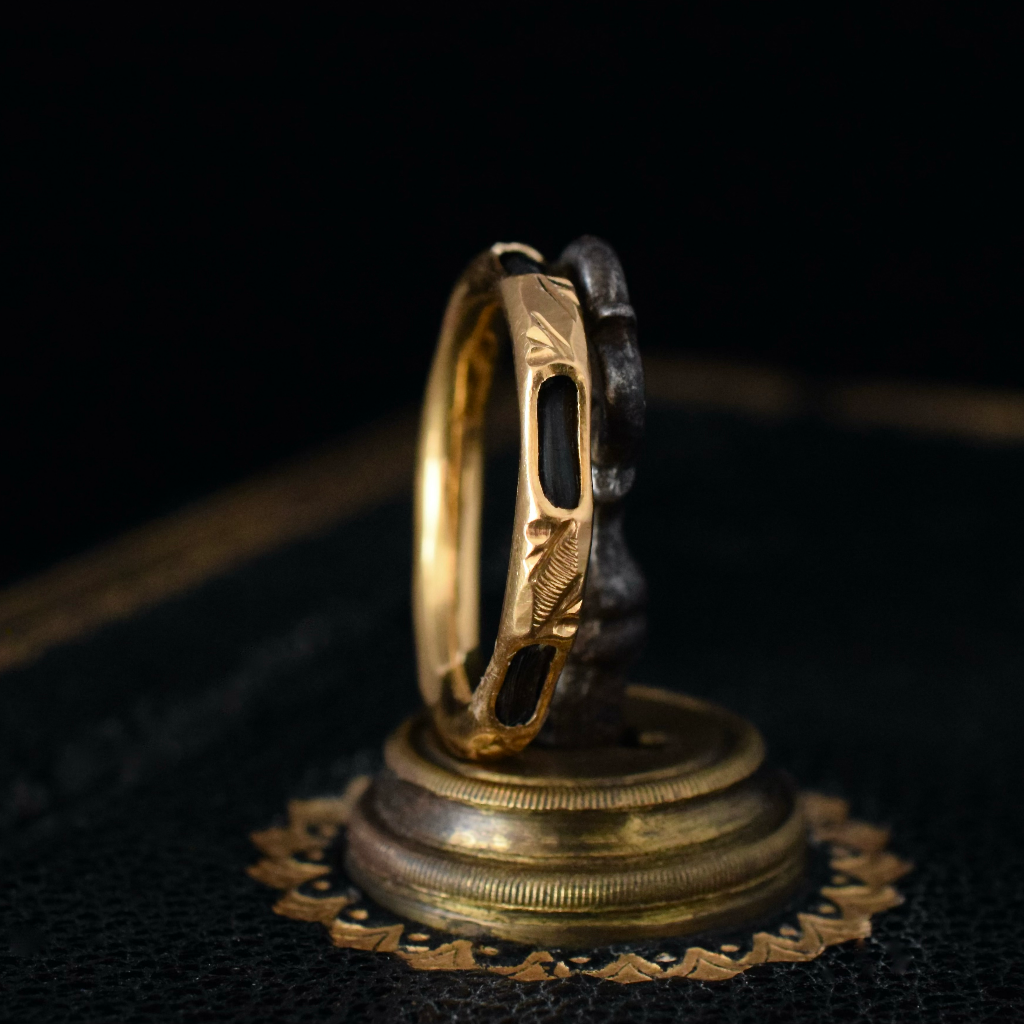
(234, 237)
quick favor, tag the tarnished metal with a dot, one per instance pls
(586, 709)
(682, 832)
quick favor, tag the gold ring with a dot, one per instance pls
(499, 710)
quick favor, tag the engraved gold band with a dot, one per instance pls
(503, 711)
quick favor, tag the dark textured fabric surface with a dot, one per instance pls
(860, 597)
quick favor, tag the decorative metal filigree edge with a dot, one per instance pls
(863, 868)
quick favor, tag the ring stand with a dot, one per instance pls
(680, 831)
(637, 812)
(636, 835)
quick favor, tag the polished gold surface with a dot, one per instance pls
(297, 858)
(683, 830)
(550, 545)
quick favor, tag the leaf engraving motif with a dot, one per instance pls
(545, 342)
(555, 577)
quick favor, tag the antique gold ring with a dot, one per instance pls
(484, 710)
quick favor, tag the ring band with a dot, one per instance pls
(489, 714)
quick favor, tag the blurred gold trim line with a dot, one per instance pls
(982, 414)
(174, 554)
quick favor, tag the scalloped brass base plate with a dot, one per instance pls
(528, 868)
(858, 883)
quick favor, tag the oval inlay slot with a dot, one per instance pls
(558, 443)
(523, 683)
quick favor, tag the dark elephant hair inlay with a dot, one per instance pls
(524, 681)
(558, 441)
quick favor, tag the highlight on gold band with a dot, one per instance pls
(488, 711)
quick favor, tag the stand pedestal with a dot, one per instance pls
(680, 830)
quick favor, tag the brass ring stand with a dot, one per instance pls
(579, 848)
(522, 834)
(672, 825)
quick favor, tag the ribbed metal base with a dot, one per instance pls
(682, 830)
